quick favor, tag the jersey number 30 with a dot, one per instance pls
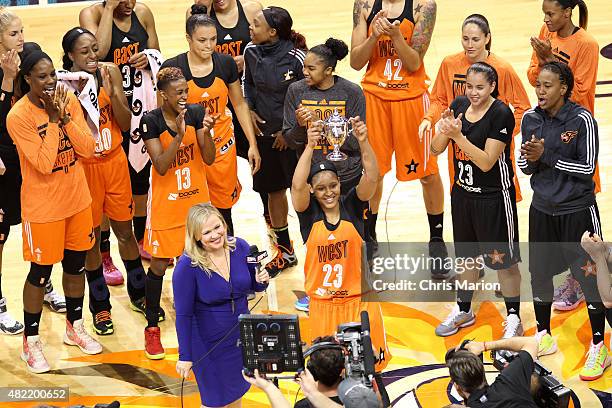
(104, 141)
(337, 279)
(397, 63)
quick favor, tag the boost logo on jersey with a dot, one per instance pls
(183, 194)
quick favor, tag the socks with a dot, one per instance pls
(139, 227)
(1, 286)
(513, 305)
(597, 318)
(542, 313)
(31, 322)
(464, 300)
(74, 308)
(99, 296)
(370, 225)
(609, 316)
(105, 241)
(436, 224)
(135, 278)
(282, 236)
(153, 289)
(264, 201)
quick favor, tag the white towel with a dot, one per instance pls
(88, 96)
(144, 99)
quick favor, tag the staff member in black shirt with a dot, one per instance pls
(511, 388)
(559, 151)
(483, 199)
(273, 61)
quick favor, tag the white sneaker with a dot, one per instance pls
(8, 325)
(33, 355)
(455, 320)
(512, 326)
(76, 335)
(55, 301)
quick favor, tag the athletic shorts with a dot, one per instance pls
(44, 243)
(451, 171)
(393, 126)
(548, 255)
(10, 193)
(168, 243)
(222, 176)
(277, 167)
(324, 317)
(486, 226)
(109, 185)
(242, 143)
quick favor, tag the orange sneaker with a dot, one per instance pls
(33, 355)
(76, 335)
(153, 347)
(284, 259)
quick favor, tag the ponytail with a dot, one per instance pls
(298, 40)
(583, 19)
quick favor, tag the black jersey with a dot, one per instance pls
(232, 41)
(123, 46)
(497, 123)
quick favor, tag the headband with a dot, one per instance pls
(269, 16)
(31, 59)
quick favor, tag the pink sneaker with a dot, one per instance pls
(33, 355)
(143, 254)
(77, 336)
(112, 275)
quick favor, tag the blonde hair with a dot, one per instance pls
(6, 18)
(197, 216)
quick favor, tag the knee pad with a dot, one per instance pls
(136, 277)
(74, 262)
(39, 275)
(5, 229)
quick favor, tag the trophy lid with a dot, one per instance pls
(336, 118)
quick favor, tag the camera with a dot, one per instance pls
(550, 392)
(359, 358)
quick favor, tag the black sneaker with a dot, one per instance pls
(103, 323)
(438, 253)
(284, 259)
(139, 306)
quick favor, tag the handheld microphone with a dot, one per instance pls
(368, 354)
(255, 256)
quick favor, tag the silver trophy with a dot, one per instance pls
(336, 129)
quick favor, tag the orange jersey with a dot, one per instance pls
(54, 185)
(110, 137)
(184, 183)
(581, 52)
(334, 253)
(385, 76)
(450, 83)
(212, 93)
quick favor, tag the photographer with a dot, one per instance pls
(326, 366)
(512, 388)
(307, 384)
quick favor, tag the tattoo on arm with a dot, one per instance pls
(357, 7)
(426, 20)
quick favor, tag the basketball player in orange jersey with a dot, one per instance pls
(561, 40)
(178, 139)
(124, 28)
(392, 37)
(332, 227)
(450, 82)
(212, 79)
(108, 178)
(50, 132)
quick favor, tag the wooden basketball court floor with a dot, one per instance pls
(416, 374)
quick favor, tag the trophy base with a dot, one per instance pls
(336, 156)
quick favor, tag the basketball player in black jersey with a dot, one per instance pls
(123, 29)
(483, 198)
